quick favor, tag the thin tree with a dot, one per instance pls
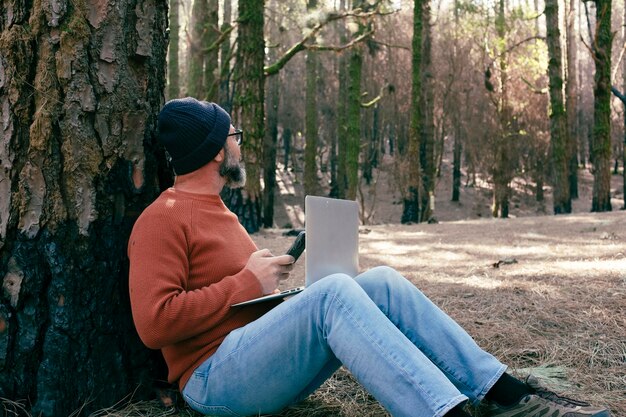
(562, 202)
(458, 144)
(79, 162)
(173, 87)
(197, 43)
(270, 141)
(210, 37)
(601, 146)
(225, 98)
(571, 86)
(341, 184)
(501, 166)
(427, 143)
(311, 126)
(624, 138)
(411, 204)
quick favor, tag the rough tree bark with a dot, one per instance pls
(562, 202)
(81, 83)
(411, 203)
(601, 150)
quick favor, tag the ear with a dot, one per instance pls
(220, 156)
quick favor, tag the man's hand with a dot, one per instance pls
(270, 269)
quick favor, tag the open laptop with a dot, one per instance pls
(332, 242)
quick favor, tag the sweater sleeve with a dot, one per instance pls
(163, 310)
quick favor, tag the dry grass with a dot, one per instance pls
(561, 305)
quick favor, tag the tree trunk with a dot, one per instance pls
(311, 125)
(602, 110)
(270, 143)
(624, 138)
(572, 99)
(225, 98)
(353, 122)
(562, 202)
(456, 161)
(411, 205)
(427, 144)
(342, 115)
(173, 86)
(80, 88)
(502, 169)
(211, 35)
(458, 147)
(197, 56)
(249, 104)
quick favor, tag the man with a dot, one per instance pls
(190, 260)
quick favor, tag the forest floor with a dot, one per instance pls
(545, 294)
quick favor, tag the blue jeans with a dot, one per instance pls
(412, 357)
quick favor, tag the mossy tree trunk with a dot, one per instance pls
(353, 114)
(81, 84)
(601, 148)
(173, 84)
(249, 110)
(310, 125)
(562, 202)
(411, 204)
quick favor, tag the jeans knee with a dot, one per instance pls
(380, 277)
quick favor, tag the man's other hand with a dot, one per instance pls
(270, 269)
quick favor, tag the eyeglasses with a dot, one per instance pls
(238, 134)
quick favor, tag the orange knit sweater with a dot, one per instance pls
(187, 267)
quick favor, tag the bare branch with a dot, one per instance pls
(377, 98)
(389, 45)
(340, 47)
(535, 89)
(301, 45)
(618, 94)
(220, 40)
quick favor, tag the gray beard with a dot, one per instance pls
(233, 171)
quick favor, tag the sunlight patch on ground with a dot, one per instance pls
(295, 214)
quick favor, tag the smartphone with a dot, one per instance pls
(297, 247)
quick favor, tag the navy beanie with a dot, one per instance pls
(193, 132)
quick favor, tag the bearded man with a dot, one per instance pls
(191, 260)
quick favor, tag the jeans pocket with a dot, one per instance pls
(210, 410)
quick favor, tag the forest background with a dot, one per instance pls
(412, 108)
